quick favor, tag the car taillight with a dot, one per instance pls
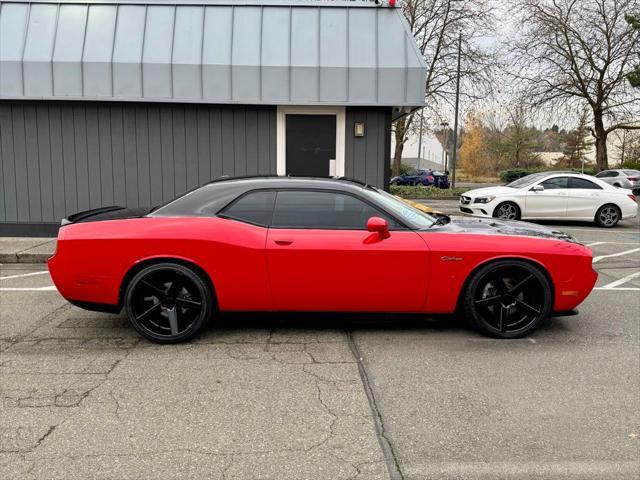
(633, 179)
(632, 197)
(430, 178)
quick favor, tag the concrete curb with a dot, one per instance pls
(26, 250)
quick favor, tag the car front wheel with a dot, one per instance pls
(507, 299)
(507, 211)
(168, 302)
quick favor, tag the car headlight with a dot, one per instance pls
(484, 199)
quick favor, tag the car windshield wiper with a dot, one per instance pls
(441, 220)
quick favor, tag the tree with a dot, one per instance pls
(634, 75)
(577, 145)
(435, 25)
(579, 50)
(474, 158)
(519, 139)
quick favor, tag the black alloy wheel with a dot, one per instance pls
(168, 302)
(507, 211)
(608, 216)
(508, 299)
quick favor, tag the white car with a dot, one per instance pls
(553, 196)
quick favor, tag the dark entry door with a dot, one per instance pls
(310, 144)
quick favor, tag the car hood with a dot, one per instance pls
(483, 192)
(494, 226)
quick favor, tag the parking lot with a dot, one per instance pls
(324, 397)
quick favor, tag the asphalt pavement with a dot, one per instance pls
(324, 397)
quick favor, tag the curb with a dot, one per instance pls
(24, 257)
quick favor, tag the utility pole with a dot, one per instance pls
(445, 144)
(420, 140)
(455, 123)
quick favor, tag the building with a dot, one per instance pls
(432, 156)
(134, 102)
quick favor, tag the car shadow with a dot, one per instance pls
(336, 321)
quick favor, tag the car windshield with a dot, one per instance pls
(526, 181)
(632, 173)
(404, 211)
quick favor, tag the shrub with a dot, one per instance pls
(509, 176)
(422, 192)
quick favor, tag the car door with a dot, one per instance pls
(321, 257)
(583, 199)
(548, 203)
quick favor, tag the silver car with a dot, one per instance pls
(621, 178)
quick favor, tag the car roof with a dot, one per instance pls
(218, 193)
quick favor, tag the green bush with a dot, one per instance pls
(423, 192)
(631, 165)
(509, 176)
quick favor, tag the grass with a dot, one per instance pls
(422, 192)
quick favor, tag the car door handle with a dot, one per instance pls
(283, 242)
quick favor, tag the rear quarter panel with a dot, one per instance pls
(455, 256)
(93, 258)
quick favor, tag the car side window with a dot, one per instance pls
(324, 210)
(555, 183)
(581, 183)
(254, 207)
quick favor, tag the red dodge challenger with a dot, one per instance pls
(304, 244)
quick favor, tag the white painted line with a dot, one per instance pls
(619, 254)
(29, 289)
(621, 289)
(24, 275)
(609, 243)
(619, 282)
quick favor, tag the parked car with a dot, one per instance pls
(624, 178)
(293, 244)
(553, 196)
(424, 178)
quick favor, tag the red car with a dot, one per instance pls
(302, 244)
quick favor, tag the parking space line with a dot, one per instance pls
(9, 277)
(620, 289)
(594, 244)
(619, 254)
(622, 280)
(29, 289)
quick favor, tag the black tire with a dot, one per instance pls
(168, 302)
(507, 299)
(608, 216)
(507, 211)
(617, 185)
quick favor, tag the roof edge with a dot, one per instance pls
(243, 3)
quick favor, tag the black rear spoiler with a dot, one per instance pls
(76, 217)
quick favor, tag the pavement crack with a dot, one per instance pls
(391, 459)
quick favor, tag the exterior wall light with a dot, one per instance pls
(358, 130)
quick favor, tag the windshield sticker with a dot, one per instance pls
(409, 214)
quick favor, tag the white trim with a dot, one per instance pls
(281, 141)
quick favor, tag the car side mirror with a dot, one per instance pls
(379, 226)
(537, 188)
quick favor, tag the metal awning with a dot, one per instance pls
(269, 52)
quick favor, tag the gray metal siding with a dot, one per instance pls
(57, 158)
(367, 158)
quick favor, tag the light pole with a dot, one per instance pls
(455, 123)
(420, 140)
(445, 144)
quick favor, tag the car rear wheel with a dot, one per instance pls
(168, 302)
(507, 211)
(608, 216)
(507, 299)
